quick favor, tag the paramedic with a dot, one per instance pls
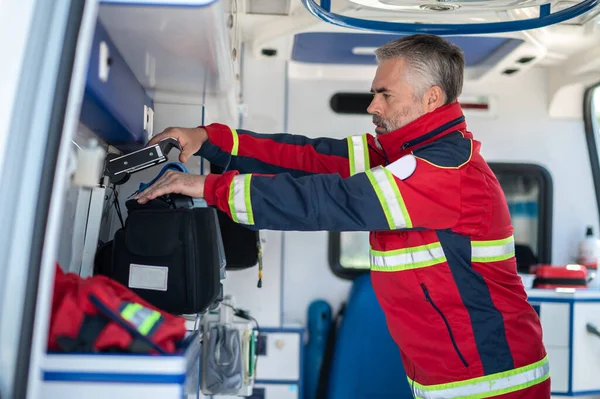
(442, 249)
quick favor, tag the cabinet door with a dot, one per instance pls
(46, 47)
(113, 104)
(279, 357)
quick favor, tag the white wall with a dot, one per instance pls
(264, 94)
(522, 132)
(525, 133)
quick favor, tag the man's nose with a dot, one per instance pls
(374, 108)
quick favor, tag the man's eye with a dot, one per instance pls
(385, 95)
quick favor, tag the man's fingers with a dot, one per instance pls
(166, 184)
(148, 190)
(185, 155)
(155, 139)
(173, 182)
(171, 132)
(153, 192)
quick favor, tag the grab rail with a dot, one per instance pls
(546, 18)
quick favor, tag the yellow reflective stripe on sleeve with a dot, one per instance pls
(358, 154)
(142, 318)
(240, 204)
(407, 258)
(487, 386)
(236, 142)
(493, 250)
(390, 198)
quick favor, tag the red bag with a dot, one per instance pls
(99, 314)
(570, 276)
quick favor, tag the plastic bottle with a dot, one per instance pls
(588, 250)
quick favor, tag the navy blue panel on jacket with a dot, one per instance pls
(324, 145)
(215, 155)
(314, 203)
(450, 151)
(487, 322)
(229, 162)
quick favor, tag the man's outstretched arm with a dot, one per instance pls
(410, 193)
(372, 201)
(250, 152)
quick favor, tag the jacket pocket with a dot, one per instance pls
(428, 299)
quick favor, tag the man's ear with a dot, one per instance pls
(433, 98)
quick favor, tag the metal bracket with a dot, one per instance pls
(546, 18)
(119, 168)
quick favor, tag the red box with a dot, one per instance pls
(569, 276)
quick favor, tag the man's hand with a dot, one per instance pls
(174, 182)
(191, 139)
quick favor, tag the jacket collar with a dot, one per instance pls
(429, 127)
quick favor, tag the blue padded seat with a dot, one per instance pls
(366, 362)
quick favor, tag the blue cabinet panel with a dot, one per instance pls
(114, 109)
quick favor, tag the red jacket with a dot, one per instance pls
(99, 314)
(442, 249)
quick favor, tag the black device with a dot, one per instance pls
(120, 167)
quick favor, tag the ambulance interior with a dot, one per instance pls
(88, 81)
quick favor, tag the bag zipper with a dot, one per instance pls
(428, 299)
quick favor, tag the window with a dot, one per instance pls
(591, 116)
(528, 191)
(351, 103)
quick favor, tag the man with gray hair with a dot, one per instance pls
(442, 248)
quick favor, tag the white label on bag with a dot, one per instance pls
(148, 277)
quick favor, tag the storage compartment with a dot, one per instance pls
(142, 52)
(125, 376)
(165, 51)
(573, 350)
(114, 104)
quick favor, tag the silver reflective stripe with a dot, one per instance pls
(407, 258)
(359, 158)
(358, 154)
(493, 250)
(488, 386)
(390, 198)
(239, 200)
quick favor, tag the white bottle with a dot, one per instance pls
(588, 250)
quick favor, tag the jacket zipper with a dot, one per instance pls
(428, 299)
(434, 132)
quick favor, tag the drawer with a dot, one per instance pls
(555, 323)
(559, 369)
(127, 376)
(270, 391)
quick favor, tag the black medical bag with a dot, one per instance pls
(168, 254)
